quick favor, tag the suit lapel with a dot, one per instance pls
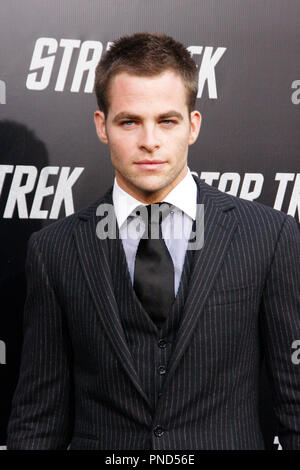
(94, 259)
(219, 228)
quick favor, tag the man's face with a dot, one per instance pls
(148, 129)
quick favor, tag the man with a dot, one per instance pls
(101, 368)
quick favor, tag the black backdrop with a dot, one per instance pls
(52, 163)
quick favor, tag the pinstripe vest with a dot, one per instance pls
(150, 348)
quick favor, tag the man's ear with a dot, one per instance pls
(99, 119)
(195, 124)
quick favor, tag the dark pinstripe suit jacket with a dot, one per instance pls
(78, 383)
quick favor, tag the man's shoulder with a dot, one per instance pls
(245, 211)
(63, 228)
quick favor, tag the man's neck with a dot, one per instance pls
(151, 197)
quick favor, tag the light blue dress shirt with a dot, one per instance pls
(176, 227)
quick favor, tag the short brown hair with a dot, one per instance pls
(145, 54)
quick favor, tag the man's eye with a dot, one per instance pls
(127, 123)
(168, 122)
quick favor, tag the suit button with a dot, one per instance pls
(162, 343)
(162, 370)
(158, 431)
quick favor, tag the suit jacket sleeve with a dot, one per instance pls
(41, 416)
(281, 327)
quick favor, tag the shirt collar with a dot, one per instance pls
(183, 196)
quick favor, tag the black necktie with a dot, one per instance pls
(154, 269)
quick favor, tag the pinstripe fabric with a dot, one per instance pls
(83, 379)
(141, 333)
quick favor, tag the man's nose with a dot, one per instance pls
(148, 139)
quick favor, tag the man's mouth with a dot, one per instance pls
(150, 164)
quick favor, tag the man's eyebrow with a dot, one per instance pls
(131, 116)
(125, 115)
(170, 114)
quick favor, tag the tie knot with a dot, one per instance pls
(153, 215)
(158, 212)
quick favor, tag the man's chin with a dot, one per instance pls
(151, 187)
